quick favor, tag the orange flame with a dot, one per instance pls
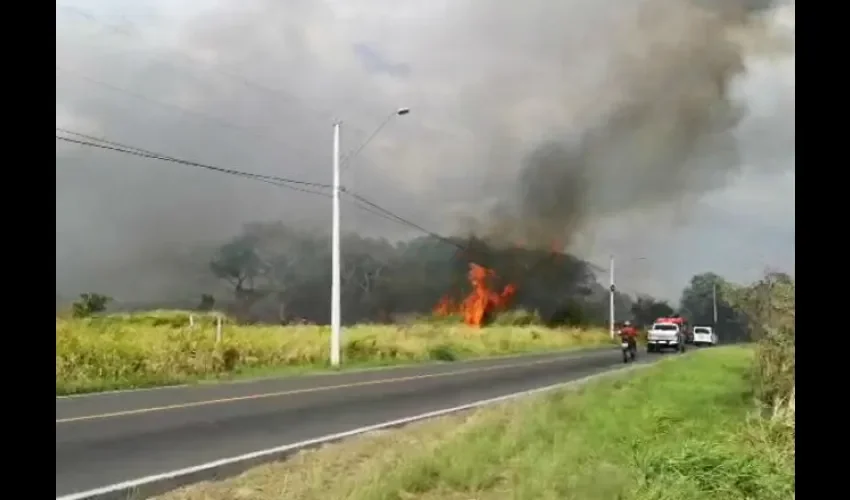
(480, 302)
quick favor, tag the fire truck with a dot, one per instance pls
(673, 332)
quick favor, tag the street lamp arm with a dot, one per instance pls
(352, 154)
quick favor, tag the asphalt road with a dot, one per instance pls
(108, 438)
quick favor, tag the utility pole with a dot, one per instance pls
(714, 302)
(336, 285)
(611, 289)
(336, 280)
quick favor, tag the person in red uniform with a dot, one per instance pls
(629, 333)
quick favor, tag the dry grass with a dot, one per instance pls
(677, 430)
(124, 351)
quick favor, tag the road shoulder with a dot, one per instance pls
(679, 426)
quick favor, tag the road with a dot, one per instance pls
(108, 438)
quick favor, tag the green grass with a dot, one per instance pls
(159, 348)
(683, 429)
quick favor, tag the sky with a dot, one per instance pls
(256, 86)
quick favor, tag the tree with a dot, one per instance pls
(647, 309)
(766, 304)
(696, 305)
(238, 263)
(207, 302)
(279, 273)
(89, 304)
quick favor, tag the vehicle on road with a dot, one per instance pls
(629, 347)
(665, 334)
(704, 335)
(628, 341)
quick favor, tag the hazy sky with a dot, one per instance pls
(255, 85)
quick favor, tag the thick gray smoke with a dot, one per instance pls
(534, 118)
(663, 125)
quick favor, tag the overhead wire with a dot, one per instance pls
(115, 29)
(362, 204)
(106, 144)
(357, 200)
(283, 95)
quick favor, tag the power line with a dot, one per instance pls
(144, 153)
(257, 132)
(143, 97)
(400, 219)
(346, 160)
(357, 200)
(110, 145)
(119, 30)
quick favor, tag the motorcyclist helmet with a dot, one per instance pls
(627, 323)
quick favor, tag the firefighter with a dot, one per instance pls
(628, 332)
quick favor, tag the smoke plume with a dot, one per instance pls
(662, 127)
(530, 120)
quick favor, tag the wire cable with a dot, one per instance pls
(400, 219)
(275, 181)
(358, 201)
(345, 162)
(144, 153)
(122, 31)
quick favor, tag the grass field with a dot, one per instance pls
(160, 348)
(684, 428)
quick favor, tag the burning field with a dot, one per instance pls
(479, 306)
(498, 280)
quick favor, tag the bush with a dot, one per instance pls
(768, 307)
(89, 304)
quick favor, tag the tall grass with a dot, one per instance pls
(769, 308)
(159, 348)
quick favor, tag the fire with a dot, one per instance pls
(481, 301)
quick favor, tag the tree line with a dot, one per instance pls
(274, 273)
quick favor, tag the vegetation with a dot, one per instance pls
(160, 348)
(678, 429)
(769, 308)
(717, 423)
(89, 304)
(272, 273)
(686, 427)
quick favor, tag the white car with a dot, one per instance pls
(704, 335)
(665, 336)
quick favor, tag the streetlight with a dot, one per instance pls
(611, 289)
(336, 282)
(348, 157)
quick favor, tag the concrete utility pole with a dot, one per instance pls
(336, 279)
(336, 291)
(612, 288)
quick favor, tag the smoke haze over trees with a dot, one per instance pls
(535, 122)
(274, 273)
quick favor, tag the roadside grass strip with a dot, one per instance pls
(685, 428)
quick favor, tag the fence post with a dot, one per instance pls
(218, 329)
(191, 320)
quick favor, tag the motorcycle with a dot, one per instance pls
(629, 347)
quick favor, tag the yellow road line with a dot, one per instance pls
(299, 391)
